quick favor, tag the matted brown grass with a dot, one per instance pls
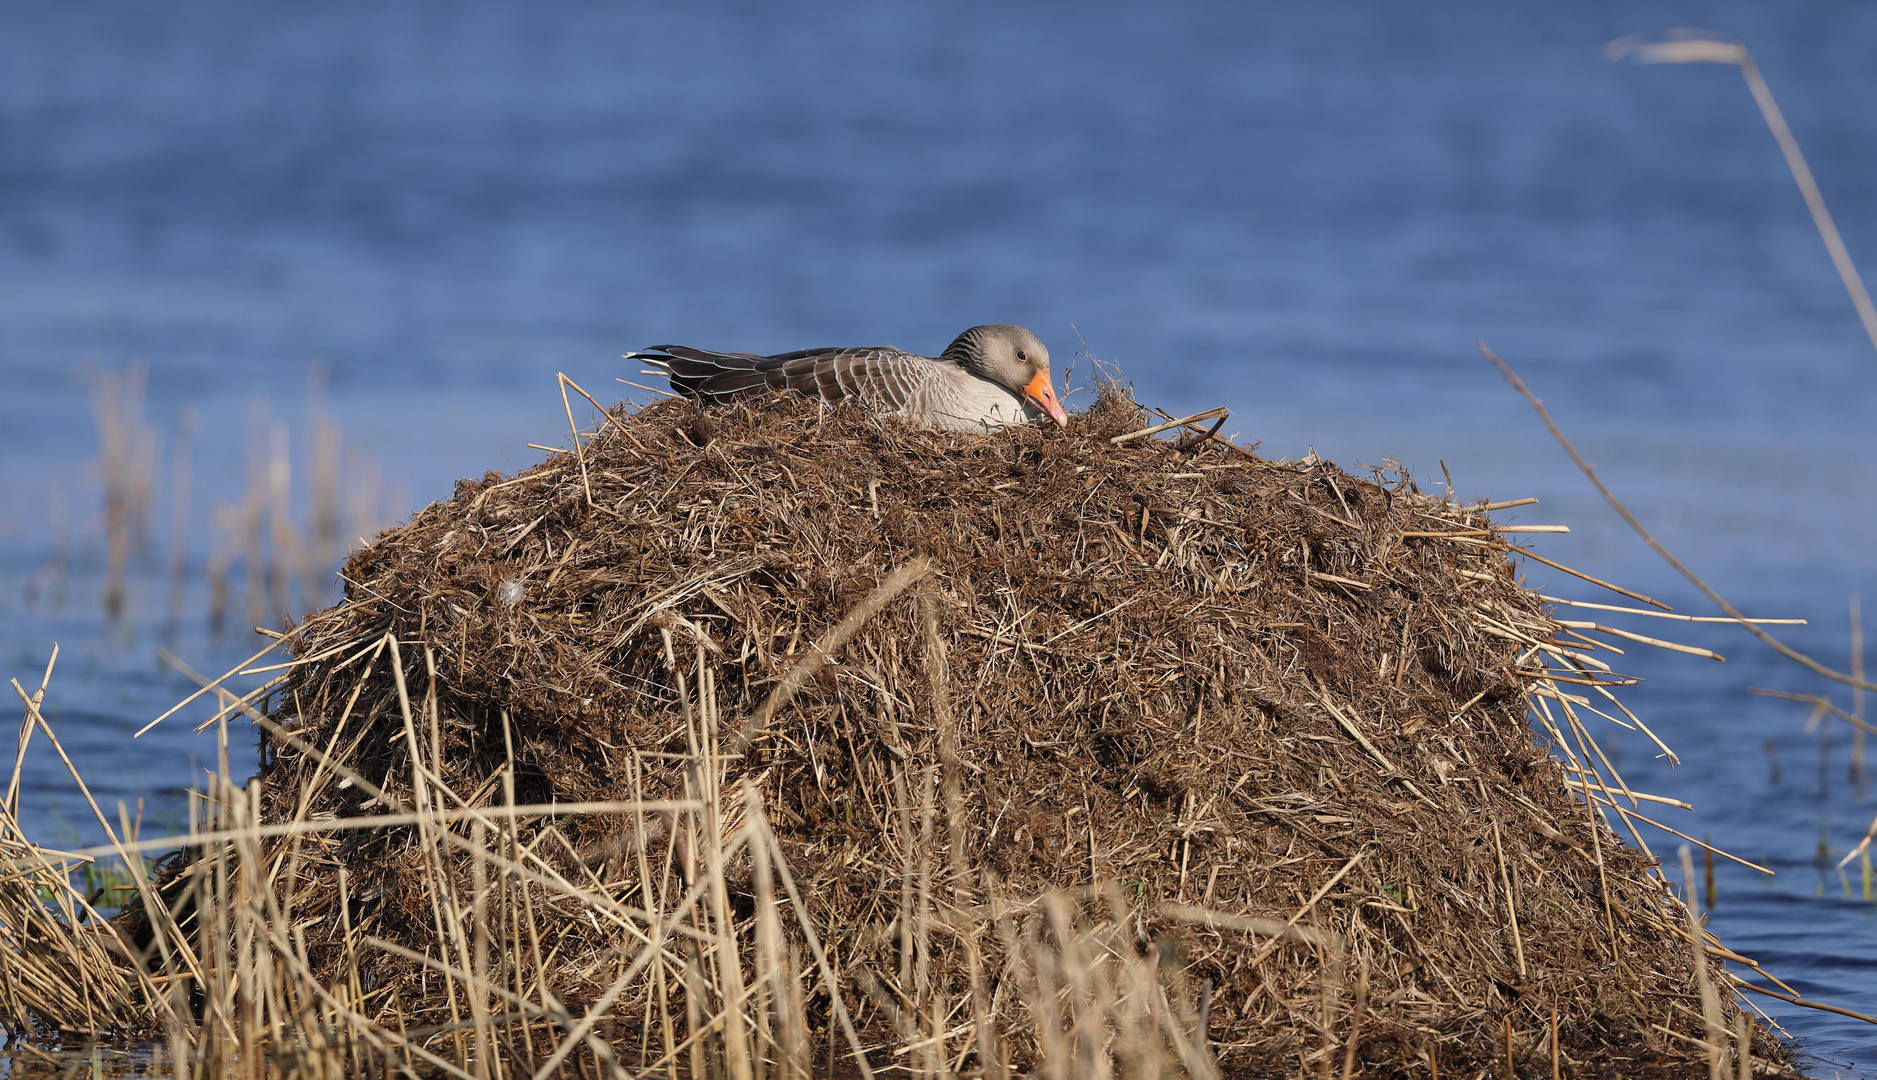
(1016, 707)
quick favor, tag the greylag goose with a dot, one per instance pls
(988, 377)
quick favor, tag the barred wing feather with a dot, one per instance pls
(899, 381)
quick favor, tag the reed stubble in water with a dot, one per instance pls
(286, 533)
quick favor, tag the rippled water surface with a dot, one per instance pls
(1307, 213)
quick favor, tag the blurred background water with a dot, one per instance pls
(395, 223)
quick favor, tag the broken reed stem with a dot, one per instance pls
(1795, 999)
(35, 716)
(11, 803)
(232, 672)
(1706, 50)
(1627, 812)
(729, 966)
(829, 981)
(573, 430)
(1590, 472)
(1143, 433)
(1716, 1030)
(938, 683)
(1512, 914)
(1355, 732)
(1666, 614)
(923, 920)
(1857, 695)
(1555, 1053)
(1355, 1019)
(1691, 650)
(1585, 577)
(1814, 199)
(830, 643)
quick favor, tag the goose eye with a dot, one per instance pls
(1021, 355)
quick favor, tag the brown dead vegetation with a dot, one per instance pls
(1076, 751)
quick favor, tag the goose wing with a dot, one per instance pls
(898, 380)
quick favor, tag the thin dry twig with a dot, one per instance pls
(1591, 473)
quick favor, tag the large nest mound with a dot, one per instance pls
(1175, 674)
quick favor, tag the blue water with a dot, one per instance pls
(1308, 213)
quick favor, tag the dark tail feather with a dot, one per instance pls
(715, 376)
(696, 373)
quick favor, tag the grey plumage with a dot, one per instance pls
(987, 377)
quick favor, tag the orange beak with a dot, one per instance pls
(1044, 396)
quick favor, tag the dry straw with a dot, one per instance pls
(786, 741)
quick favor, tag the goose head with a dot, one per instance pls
(1014, 359)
